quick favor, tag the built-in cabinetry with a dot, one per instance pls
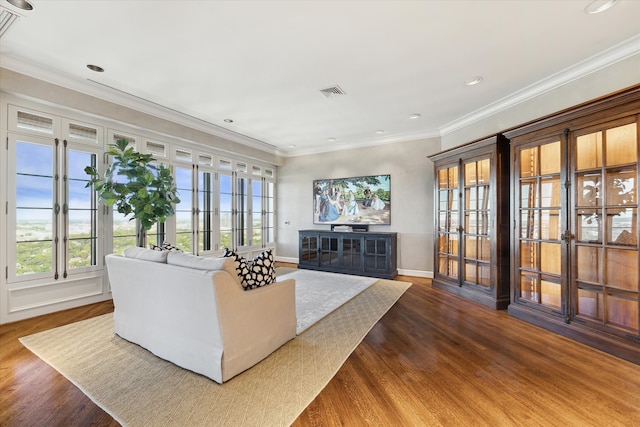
(574, 206)
(362, 253)
(471, 214)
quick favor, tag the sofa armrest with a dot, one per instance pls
(254, 323)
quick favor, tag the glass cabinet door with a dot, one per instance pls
(538, 261)
(605, 280)
(477, 215)
(448, 223)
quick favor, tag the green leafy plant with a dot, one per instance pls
(135, 186)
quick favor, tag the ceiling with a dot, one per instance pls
(263, 64)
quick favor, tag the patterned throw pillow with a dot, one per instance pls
(165, 247)
(241, 267)
(263, 271)
(259, 272)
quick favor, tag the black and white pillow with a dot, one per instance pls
(241, 267)
(263, 271)
(254, 274)
(166, 246)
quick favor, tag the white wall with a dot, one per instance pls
(411, 196)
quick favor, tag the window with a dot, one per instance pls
(35, 202)
(225, 182)
(206, 192)
(54, 215)
(184, 209)
(124, 229)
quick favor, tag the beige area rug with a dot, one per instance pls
(140, 389)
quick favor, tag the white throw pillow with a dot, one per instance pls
(146, 254)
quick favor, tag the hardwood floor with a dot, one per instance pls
(433, 359)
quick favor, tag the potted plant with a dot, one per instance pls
(136, 186)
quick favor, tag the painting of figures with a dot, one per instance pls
(358, 200)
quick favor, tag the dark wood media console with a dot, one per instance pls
(361, 253)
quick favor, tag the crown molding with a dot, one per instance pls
(617, 53)
(341, 146)
(107, 93)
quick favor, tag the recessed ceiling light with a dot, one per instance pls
(597, 6)
(228, 120)
(473, 81)
(415, 116)
(380, 131)
(332, 139)
(21, 4)
(95, 68)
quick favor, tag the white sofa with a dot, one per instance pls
(193, 311)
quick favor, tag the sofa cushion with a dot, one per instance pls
(146, 254)
(201, 263)
(263, 271)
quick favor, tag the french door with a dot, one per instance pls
(52, 215)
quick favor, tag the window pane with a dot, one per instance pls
(34, 192)
(591, 303)
(588, 188)
(622, 269)
(443, 178)
(34, 257)
(550, 225)
(470, 177)
(453, 177)
(622, 311)
(589, 151)
(550, 192)
(529, 255)
(205, 216)
(550, 258)
(529, 162)
(621, 145)
(470, 198)
(529, 221)
(124, 232)
(588, 225)
(81, 224)
(470, 223)
(621, 227)
(81, 253)
(550, 158)
(528, 196)
(621, 187)
(484, 168)
(550, 293)
(529, 287)
(484, 249)
(34, 208)
(470, 247)
(589, 265)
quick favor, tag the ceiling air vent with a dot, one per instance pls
(332, 91)
(7, 18)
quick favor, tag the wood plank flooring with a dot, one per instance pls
(433, 359)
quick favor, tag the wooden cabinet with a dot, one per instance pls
(361, 253)
(575, 251)
(472, 217)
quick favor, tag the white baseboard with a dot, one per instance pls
(401, 271)
(415, 273)
(287, 259)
